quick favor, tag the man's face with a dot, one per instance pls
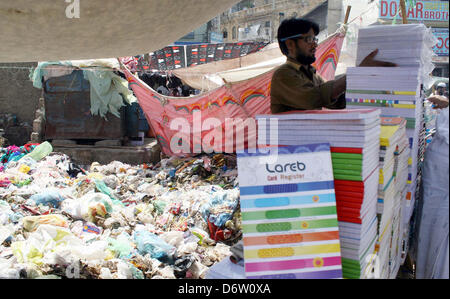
(305, 48)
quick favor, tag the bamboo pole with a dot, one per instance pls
(403, 10)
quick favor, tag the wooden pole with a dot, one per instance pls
(347, 14)
(403, 10)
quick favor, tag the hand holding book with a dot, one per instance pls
(438, 101)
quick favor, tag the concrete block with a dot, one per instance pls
(63, 142)
(114, 142)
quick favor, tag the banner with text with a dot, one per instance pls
(441, 48)
(419, 10)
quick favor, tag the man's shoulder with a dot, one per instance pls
(284, 69)
(285, 66)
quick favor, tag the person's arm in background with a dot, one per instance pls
(338, 94)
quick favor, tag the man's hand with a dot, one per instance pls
(370, 61)
(439, 102)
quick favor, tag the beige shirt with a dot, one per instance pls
(295, 87)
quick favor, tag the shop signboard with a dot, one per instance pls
(441, 48)
(417, 10)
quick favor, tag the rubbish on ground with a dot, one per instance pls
(175, 219)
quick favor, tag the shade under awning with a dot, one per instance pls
(41, 31)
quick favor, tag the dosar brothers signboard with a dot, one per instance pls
(416, 10)
(441, 48)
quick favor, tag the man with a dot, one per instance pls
(440, 97)
(433, 227)
(295, 84)
(441, 90)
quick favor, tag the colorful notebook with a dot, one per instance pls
(289, 219)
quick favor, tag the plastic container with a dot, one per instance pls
(40, 151)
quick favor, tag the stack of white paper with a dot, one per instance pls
(341, 128)
(398, 93)
(408, 45)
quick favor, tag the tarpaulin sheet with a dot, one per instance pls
(49, 30)
(240, 100)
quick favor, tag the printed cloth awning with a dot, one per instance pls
(201, 120)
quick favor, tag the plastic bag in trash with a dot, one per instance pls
(95, 251)
(48, 198)
(122, 245)
(88, 206)
(31, 223)
(149, 243)
(5, 232)
(220, 207)
(44, 240)
(101, 186)
(5, 212)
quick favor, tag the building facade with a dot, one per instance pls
(258, 20)
(207, 33)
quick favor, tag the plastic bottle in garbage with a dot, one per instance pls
(40, 151)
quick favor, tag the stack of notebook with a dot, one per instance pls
(354, 139)
(397, 91)
(392, 134)
(289, 220)
(401, 228)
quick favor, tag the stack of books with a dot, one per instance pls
(392, 134)
(397, 91)
(354, 138)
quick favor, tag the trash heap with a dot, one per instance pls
(174, 219)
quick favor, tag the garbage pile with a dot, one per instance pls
(174, 219)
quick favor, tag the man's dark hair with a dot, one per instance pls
(294, 26)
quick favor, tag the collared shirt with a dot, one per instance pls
(295, 87)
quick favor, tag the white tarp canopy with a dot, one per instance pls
(50, 30)
(248, 72)
(212, 75)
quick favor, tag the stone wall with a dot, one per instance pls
(18, 97)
